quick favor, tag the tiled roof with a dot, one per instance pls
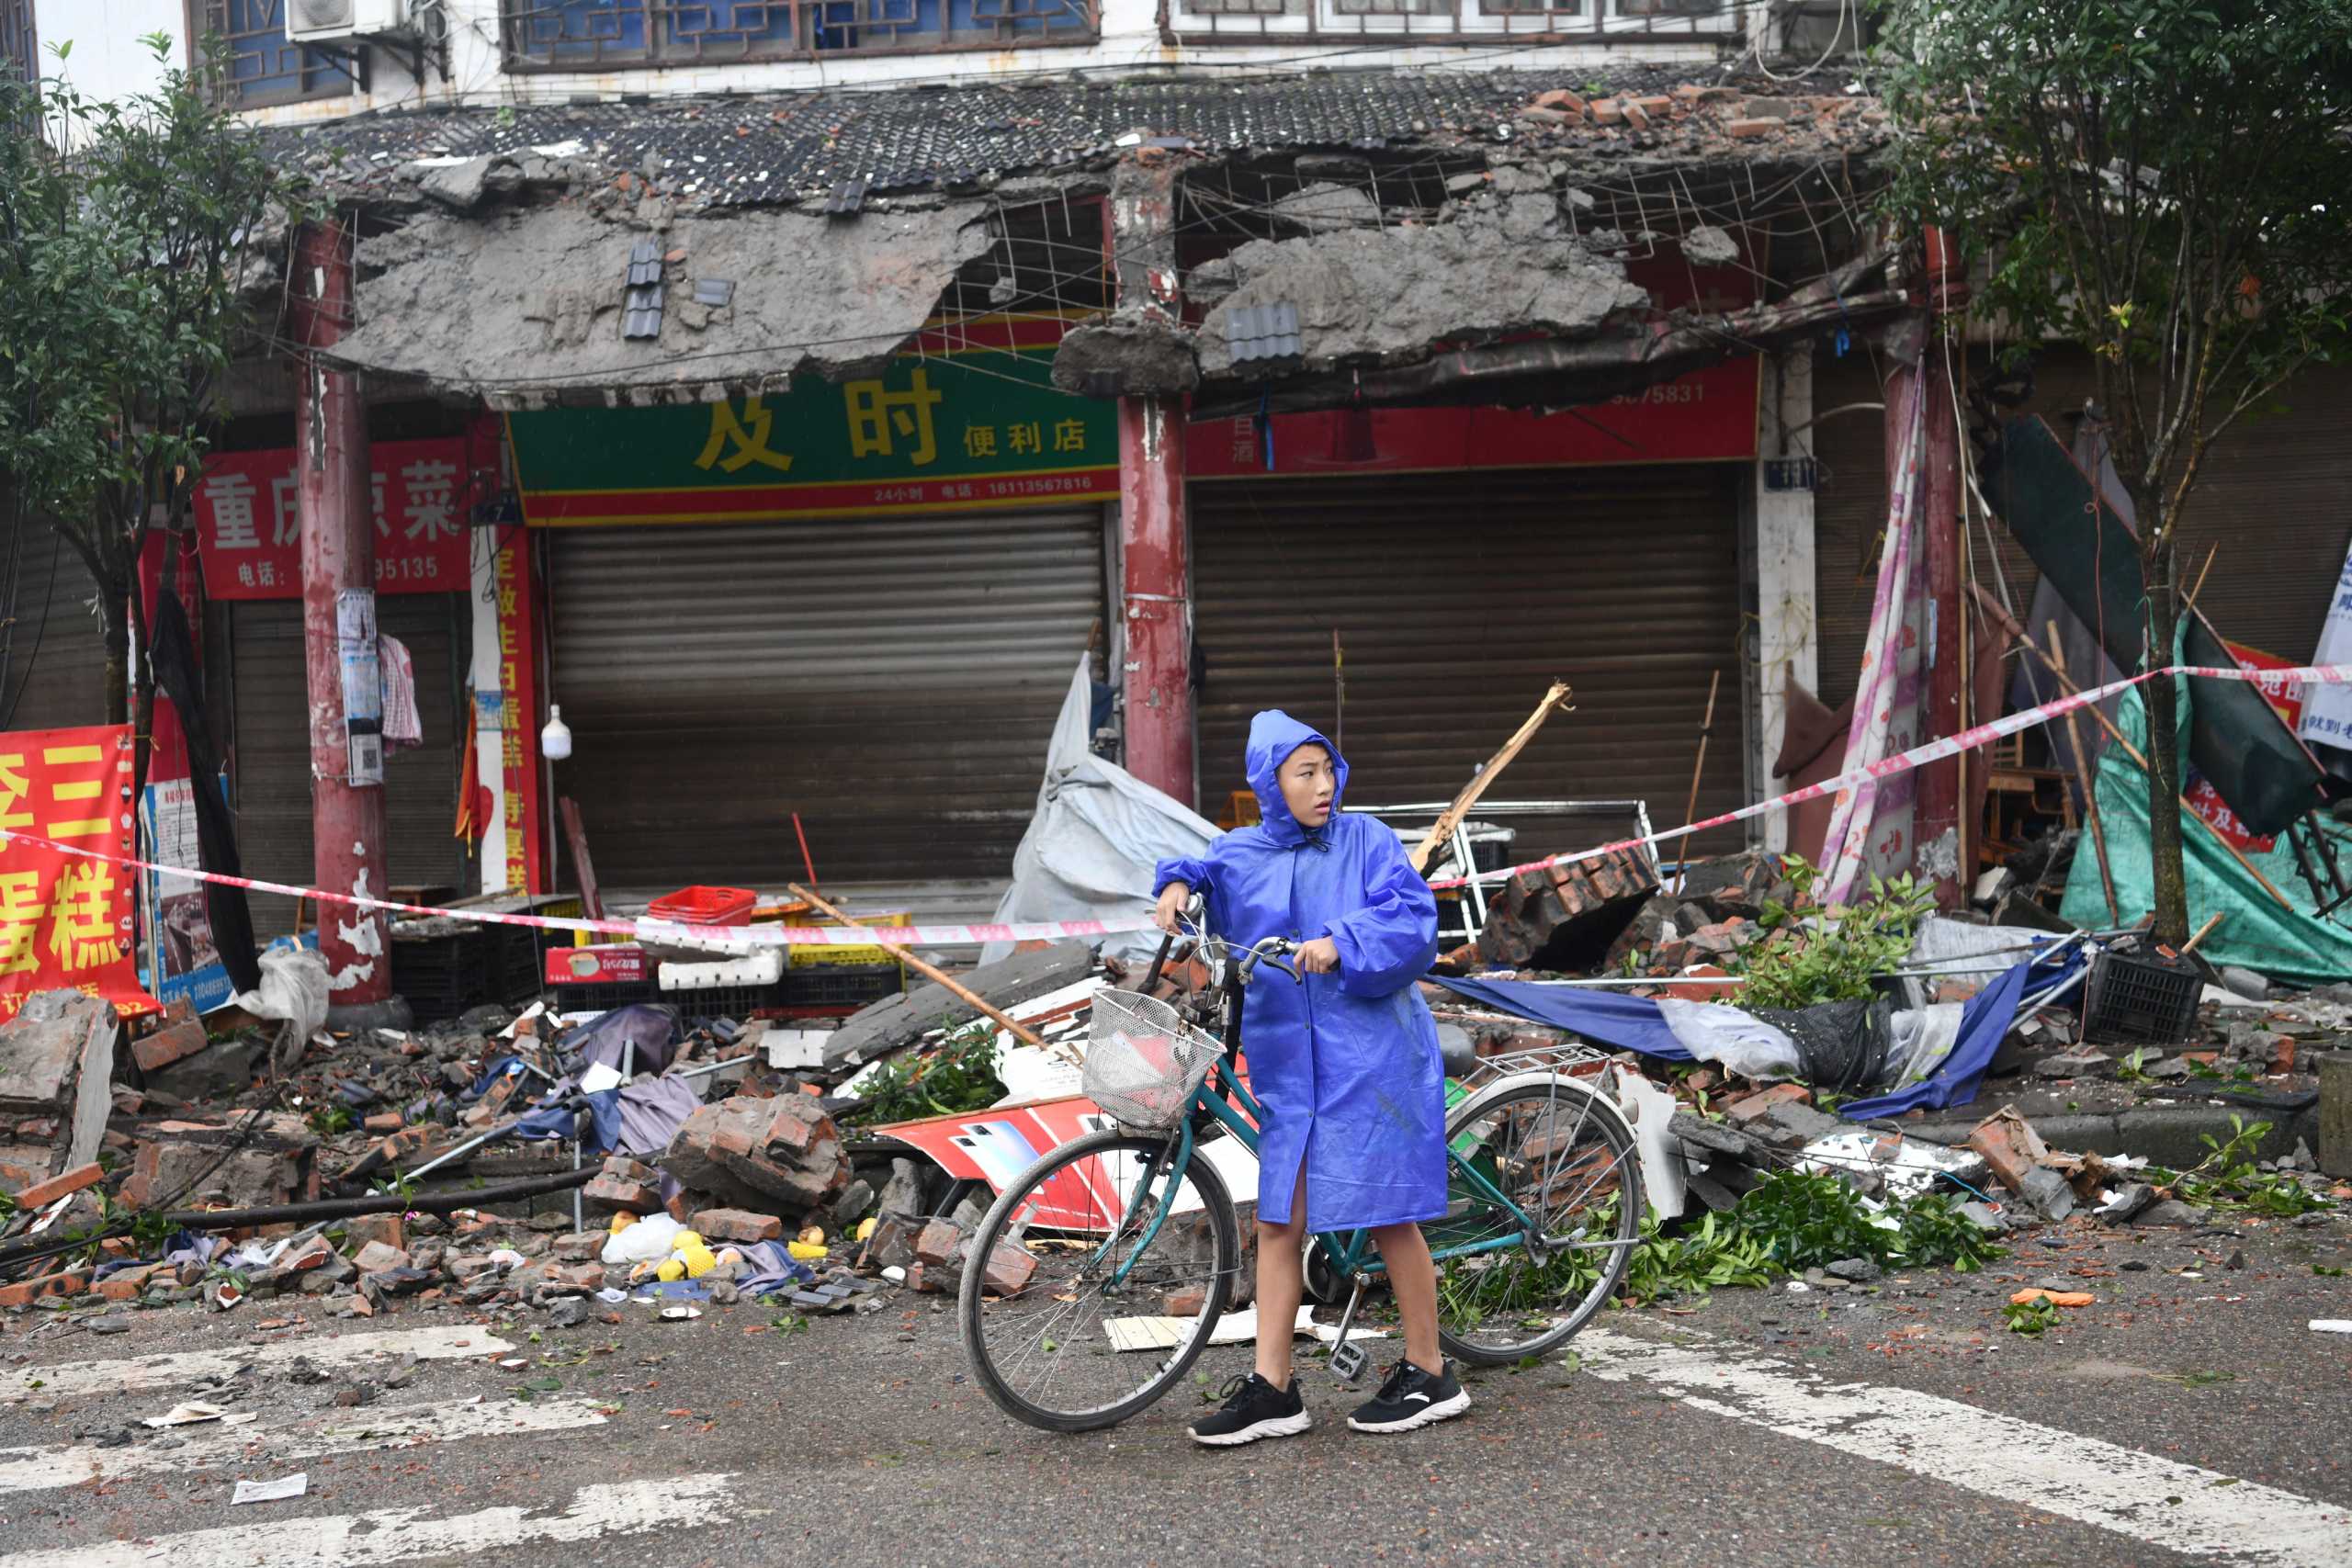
(787, 147)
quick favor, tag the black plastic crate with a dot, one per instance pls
(2131, 999)
(842, 986)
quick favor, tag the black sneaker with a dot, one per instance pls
(1254, 1409)
(1411, 1398)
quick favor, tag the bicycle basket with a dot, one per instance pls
(1144, 1063)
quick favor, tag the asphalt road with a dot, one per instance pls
(2189, 1415)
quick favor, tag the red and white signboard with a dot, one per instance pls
(249, 530)
(65, 921)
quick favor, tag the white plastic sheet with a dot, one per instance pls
(1739, 1042)
(293, 987)
(1098, 832)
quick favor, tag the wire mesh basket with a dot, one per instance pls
(1143, 1062)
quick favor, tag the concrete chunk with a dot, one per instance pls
(898, 1022)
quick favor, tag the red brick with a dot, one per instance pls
(376, 1258)
(168, 1044)
(388, 1122)
(57, 1186)
(937, 1243)
(789, 1131)
(1561, 98)
(739, 1225)
(121, 1287)
(915, 1279)
(1636, 115)
(1008, 1269)
(1185, 1301)
(608, 1195)
(1655, 106)
(1759, 1105)
(1703, 993)
(1749, 129)
(1608, 111)
(362, 1229)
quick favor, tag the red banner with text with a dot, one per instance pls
(65, 922)
(249, 529)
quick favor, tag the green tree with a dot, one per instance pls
(2167, 182)
(135, 237)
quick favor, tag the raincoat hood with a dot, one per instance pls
(1273, 736)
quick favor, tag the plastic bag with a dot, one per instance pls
(293, 988)
(648, 1241)
(1733, 1040)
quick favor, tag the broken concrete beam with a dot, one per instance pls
(898, 1022)
(170, 1044)
(624, 1186)
(1566, 916)
(754, 1154)
(739, 1225)
(1718, 1137)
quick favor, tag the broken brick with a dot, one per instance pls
(378, 1259)
(1561, 99)
(1636, 114)
(1756, 1107)
(937, 1243)
(624, 1186)
(170, 1044)
(57, 1186)
(760, 1154)
(1749, 129)
(361, 1229)
(739, 1225)
(1608, 111)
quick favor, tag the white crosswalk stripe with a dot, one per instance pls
(134, 1374)
(398, 1535)
(337, 1432)
(2178, 1507)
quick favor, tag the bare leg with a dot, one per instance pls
(1412, 1276)
(1282, 1283)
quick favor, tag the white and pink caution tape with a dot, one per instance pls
(732, 937)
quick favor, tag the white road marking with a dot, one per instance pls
(336, 1432)
(134, 1374)
(395, 1534)
(2179, 1507)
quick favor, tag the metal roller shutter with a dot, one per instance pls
(1457, 597)
(57, 664)
(895, 681)
(273, 757)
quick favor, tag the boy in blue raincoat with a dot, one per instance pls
(1345, 1066)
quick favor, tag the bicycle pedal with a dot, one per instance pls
(1349, 1360)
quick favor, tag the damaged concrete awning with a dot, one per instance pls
(528, 304)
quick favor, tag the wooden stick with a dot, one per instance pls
(2203, 932)
(2201, 570)
(1022, 1032)
(2009, 625)
(1452, 819)
(2090, 792)
(1706, 726)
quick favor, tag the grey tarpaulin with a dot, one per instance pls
(1098, 832)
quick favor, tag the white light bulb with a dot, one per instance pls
(555, 741)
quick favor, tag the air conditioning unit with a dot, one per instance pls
(327, 21)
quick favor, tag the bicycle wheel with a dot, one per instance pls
(1067, 1242)
(1563, 1156)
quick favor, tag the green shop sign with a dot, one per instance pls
(937, 432)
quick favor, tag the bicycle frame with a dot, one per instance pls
(1225, 1100)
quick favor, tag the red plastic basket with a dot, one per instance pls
(706, 906)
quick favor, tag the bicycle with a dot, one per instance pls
(1127, 1236)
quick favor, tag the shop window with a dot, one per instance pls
(586, 35)
(260, 66)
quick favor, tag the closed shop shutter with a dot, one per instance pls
(894, 680)
(1457, 597)
(2270, 498)
(57, 662)
(273, 757)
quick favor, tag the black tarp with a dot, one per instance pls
(2235, 739)
(181, 680)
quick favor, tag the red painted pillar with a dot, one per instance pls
(1157, 594)
(1940, 830)
(339, 594)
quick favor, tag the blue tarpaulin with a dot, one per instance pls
(1636, 1023)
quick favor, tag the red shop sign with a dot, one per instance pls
(249, 531)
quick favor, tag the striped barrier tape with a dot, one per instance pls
(744, 938)
(1919, 756)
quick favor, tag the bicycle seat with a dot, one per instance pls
(1456, 1049)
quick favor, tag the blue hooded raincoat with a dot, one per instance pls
(1346, 1064)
